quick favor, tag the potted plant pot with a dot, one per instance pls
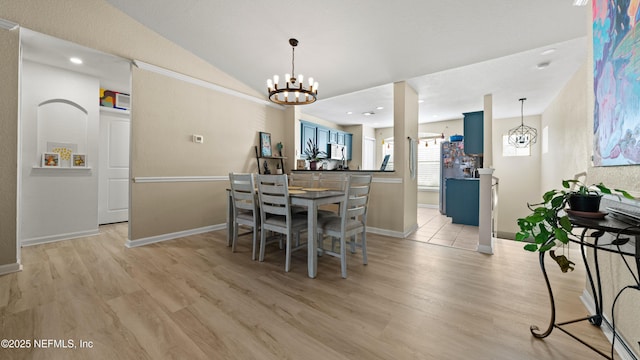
(585, 202)
(313, 165)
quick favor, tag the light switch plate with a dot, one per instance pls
(198, 139)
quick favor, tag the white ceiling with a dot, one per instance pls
(114, 72)
(451, 52)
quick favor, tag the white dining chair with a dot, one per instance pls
(245, 208)
(351, 221)
(334, 181)
(276, 215)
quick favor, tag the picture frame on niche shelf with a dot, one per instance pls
(50, 159)
(78, 160)
(64, 149)
(265, 144)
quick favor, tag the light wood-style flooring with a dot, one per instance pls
(191, 298)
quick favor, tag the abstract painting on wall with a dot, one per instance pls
(616, 70)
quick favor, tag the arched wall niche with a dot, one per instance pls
(62, 123)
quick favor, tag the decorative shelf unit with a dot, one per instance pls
(276, 158)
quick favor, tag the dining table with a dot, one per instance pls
(311, 198)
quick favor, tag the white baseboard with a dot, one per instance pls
(10, 268)
(58, 237)
(428, 206)
(588, 302)
(171, 236)
(391, 233)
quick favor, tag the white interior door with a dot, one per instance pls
(113, 185)
(369, 156)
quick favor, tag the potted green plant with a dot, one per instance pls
(549, 226)
(313, 154)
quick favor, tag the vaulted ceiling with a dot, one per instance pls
(451, 52)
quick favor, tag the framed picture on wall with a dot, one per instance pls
(265, 144)
(78, 160)
(50, 159)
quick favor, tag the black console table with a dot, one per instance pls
(592, 228)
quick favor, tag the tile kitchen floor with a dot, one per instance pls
(435, 228)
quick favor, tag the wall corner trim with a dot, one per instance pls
(205, 84)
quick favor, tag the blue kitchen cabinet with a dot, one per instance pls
(308, 132)
(473, 133)
(348, 140)
(322, 135)
(463, 198)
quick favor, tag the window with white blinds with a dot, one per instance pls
(429, 163)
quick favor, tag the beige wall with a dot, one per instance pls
(165, 113)
(405, 114)
(519, 176)
(568, 124)
(9, 60)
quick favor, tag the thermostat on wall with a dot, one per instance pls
(198, 139)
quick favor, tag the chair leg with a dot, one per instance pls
(320, 245)
(255, 243)
(352, 242)
(343, 256)
(287, 263)
(263, 241)
(234, 239)
(364, 247)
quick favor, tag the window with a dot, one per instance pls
(429, 163)
(510, 150)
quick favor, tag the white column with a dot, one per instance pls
(485, 238)
(487, 160)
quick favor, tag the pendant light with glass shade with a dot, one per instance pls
(523, 135)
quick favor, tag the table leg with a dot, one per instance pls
(230, 222)
(312, 249)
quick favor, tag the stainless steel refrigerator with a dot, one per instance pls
(453, 164)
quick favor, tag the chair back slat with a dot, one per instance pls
(243, 191)
(337, 181)
(302, 179)
(357, 197)
(273, 193)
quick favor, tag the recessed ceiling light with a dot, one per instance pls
(368, 113)
(548, 51)
(379, 108)
(580, 2)
(76, 60)
(349, 112)
(543, 65)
